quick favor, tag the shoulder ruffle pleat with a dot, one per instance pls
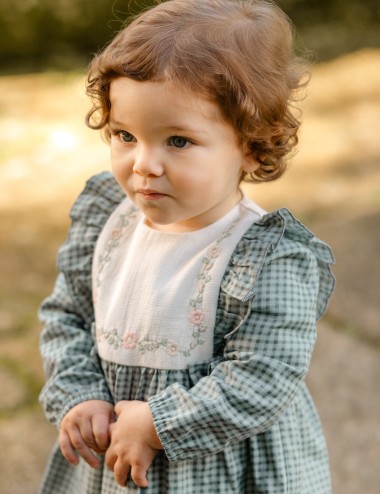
(277, 233)
(95, 204)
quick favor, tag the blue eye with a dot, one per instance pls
(179, 142)
(125, 136)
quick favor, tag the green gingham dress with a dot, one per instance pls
(242, 422)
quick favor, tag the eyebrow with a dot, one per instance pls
(174, 128)
(115, 123)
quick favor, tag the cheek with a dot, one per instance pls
(193, 172)
(115, 159)
(116, 154)
(120, 162)
(116, 169)
(190, 181)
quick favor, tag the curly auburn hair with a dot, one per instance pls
(238, 52)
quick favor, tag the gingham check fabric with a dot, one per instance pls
(242, 422)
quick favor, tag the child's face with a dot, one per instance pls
(174, 155)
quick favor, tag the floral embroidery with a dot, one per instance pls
(112, 337)
(130, 340)
(114, 241)
(173, 348)
(116, 234)
(197, 316)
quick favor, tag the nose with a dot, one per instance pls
(147, 163)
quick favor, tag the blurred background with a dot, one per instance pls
(333, 186)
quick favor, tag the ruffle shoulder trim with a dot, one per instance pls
(277, 234)
(91, 210)
(101, 195)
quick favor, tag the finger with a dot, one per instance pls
(110, 459)
(119, 407)
(121, 471)
(111, 429)
(138, 474)
(87, 434)
(83, 450)
(67, 449)
(100, 425)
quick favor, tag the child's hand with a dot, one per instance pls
(85, 428)
(134, 443)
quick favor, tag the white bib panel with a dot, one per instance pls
(156, 293)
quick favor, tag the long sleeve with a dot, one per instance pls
(71, 365)
(274, 297)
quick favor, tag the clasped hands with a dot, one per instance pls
(129, 443)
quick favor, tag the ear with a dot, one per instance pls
(249, 163)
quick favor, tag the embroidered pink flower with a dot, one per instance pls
(116, 234)
(213, 252)
(130, 340)
(196, 317)
(172, 349)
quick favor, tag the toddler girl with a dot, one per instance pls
(180, 329)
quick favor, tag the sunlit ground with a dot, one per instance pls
(46, 153)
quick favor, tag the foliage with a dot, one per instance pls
(63, 34)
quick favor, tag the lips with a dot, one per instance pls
(150, 193)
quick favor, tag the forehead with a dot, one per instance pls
(161, 95)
